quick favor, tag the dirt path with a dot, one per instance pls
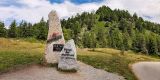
(36, 72)
(147, 70)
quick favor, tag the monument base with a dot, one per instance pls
(69, 65)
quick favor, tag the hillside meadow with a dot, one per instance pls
(15, 53)
(21, 52)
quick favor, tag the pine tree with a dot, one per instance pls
(127, 44)
(158, 44)
(67, 33)
(152, 46)
(93, 39)
(105, 13)
(2, 30)
(76, 31)
(116, 38)
(12, 33)
(42, 30)
(86, 40)
(102, 37)
(25, 29)
(139, 25)
(135, 17)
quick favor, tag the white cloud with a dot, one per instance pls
(68, 9)
(141, 7)
(34, 10)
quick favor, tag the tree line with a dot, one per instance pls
(24, 30)
(114, 29)
(101, 29)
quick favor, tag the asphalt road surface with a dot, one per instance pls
(147, 70)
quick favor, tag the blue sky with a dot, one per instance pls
(33, 10)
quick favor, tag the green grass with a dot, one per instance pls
(10, 59)
(32, 40)
(112, 61)
(17, 52)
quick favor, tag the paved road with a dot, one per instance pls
(147, 70)
(36, 72)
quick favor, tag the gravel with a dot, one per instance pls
(36, 72)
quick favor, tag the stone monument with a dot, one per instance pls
(68, 58)
(55, 39)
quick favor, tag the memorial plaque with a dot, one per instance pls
(58, 47)
(55, 39)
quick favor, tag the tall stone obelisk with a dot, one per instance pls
(55, 39)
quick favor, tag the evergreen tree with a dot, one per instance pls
(86, 40)
(42, 30)
(135, 17)
(67, 33)
(117, 41)
(139, 43)
(139, 25)
(101, 36)
(158, 44)
(105, 13)
(2, 30)
(152, 46)
(12, 33)
(93, 40)
(127, 43)
(25, 29)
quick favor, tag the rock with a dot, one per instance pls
(68, 59)
(55, 39)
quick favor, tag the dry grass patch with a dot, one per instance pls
(15, 53)
(112, 60)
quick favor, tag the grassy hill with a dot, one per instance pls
(15, 52)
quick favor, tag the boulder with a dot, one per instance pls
(68, 58)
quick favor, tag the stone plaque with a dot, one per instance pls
(68, 58)
(58, 47)
(55, 36)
